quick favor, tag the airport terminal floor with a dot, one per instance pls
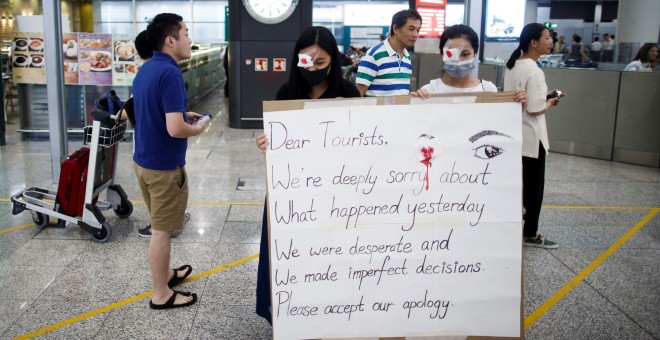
(601, 283)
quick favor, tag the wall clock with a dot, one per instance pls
(270, 11)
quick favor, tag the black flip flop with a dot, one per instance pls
(176, 280)
(170, 303)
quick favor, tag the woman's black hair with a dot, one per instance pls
(321, 36)
(400, 18)
(533, 31)
(643, 53)
(460, 31)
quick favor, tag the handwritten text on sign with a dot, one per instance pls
(395, 220)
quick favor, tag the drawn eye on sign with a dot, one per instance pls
(487, 149)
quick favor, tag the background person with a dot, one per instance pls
(576, 50)
(385, 69)
(595, 47)
(145, 49)
(559, 46)
(523, 72)
(160, 101)
(607, 49)
(322, 80)
(645, 60)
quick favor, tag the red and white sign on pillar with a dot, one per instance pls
(433, 17)
(279, 64)
(261, 64)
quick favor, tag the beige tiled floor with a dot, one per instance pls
(62, 285)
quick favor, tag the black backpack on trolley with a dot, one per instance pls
(106, 106)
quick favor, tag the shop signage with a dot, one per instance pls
(261, 64)
(88, 59)
(433, 17)
(28, 58)
(279, 64)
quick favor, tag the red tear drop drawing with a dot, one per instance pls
(449, 54)
(428, 154)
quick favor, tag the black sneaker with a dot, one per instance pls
(540, 242)
(146, 231)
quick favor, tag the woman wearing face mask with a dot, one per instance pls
(315, 73)
(459, 45)
(316, 69)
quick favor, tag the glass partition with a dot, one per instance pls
(205, 18)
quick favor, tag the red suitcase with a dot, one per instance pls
(73, 182)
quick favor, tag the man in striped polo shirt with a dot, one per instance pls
(386, 68)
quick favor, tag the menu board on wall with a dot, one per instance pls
(27, 60)
(95, 59)
(433, 17)
(504, 20)
(70, 57)
(126, 61)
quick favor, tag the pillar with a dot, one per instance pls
(86, 17)
(637, 23)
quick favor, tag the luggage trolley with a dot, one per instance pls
(98, 176)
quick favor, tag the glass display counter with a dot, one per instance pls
(608, 113)
(202, 73)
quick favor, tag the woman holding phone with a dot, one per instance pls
(523, 72)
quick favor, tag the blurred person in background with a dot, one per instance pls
(645, 60)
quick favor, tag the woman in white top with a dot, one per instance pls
(523, 73)
(645, 60)
(459, 45)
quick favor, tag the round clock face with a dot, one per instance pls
(270, 11)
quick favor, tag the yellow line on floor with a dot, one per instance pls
(17, 228)
(191, 203)
(596, 207)
(226, 203)
(210, 203)
(560, 294)
(128, 301)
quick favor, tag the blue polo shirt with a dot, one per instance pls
(158, 88)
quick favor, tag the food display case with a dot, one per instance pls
(202, 73)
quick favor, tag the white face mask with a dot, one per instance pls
(459, 69)
(452, 63)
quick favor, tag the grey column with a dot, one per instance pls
(55, 88)
(637, 23)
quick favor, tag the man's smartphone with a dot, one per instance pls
(204, 117)
(553, 94)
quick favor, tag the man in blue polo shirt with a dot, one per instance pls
(385, 69)
(161, 132)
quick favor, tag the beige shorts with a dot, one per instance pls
(165, 193)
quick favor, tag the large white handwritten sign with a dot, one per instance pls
(395, 220)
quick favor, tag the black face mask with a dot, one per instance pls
(314, 78)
